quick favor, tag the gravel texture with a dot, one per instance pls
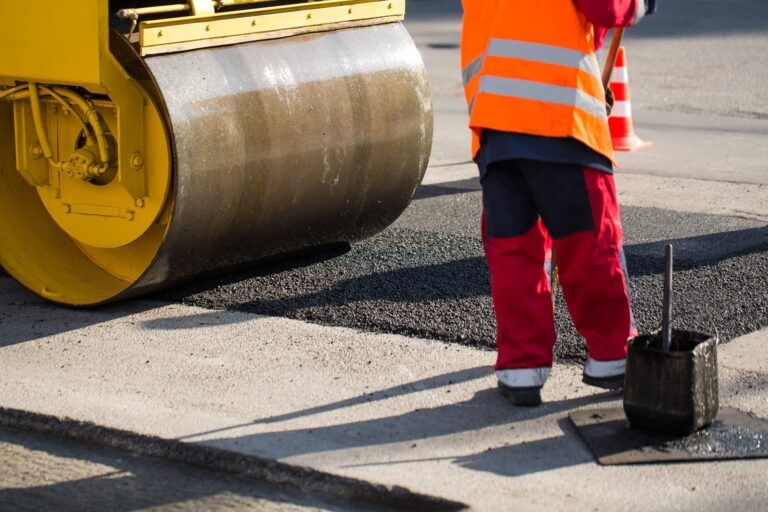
(425, 276)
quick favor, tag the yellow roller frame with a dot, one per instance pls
(67, 43)
(207, 28)
(85, 152)
(76, 240)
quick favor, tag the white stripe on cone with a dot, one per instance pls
(620, 75)
(621, 109)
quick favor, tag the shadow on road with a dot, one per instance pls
(467, 278)
(26, 317)
(718, 282)
(525, 458)
(430, 383)
(484, 410)
(69, 475)
(447, 300)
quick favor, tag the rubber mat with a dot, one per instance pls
(733, 435)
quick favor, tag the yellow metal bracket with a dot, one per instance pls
(215, 29)
(74, 45)
(126, 95)
(30, 161)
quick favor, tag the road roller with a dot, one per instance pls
(144, 144)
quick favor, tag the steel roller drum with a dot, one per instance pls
(290, 143)
(275, 146)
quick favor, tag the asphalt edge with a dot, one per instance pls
(300, 478)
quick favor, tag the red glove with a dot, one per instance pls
(608, 14)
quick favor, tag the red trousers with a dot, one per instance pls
(589, 260)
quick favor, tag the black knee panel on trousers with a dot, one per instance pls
(517, 192)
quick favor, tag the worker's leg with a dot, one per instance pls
(581, 212)
(516, 246)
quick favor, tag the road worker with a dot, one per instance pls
(537, 111)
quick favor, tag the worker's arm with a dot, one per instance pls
(608, 14)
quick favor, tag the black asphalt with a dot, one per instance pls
(426, 277)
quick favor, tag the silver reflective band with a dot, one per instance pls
(545, 53)
(535, 52)
(605, 368)
(537, 91)
(523, 377)
(472, 69)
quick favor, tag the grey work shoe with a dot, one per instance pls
(605, 374)
(522, 386)
(521, 396)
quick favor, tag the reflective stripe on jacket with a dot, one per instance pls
(530, 67)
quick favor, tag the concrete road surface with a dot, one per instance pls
(374, 365)
(43, 472)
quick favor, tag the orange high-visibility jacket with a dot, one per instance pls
(529, 66)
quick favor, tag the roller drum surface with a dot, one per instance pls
(290, 143)
(274, 146)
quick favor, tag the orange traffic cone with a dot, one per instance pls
(620, 121)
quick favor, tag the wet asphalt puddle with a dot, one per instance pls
(733, 434)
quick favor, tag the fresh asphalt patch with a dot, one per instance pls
(426, 277)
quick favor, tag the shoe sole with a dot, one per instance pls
(521, 396)
(610, 383)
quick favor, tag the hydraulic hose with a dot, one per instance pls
(94, 119)
(23, 93)
(13, 90)
(87, 115)
(89, 135)
(34, 100)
